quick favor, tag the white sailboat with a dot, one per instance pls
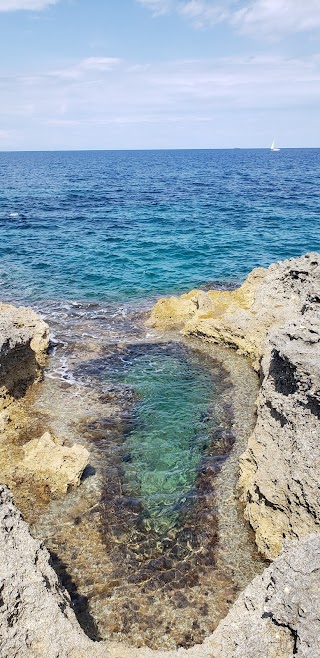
(274, 147)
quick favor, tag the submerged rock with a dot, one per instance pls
(273, 318)
(277, 615)
(57, 465)
(36, 619)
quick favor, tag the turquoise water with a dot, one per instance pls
(124, 225)
(171, 427)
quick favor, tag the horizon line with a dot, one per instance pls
(214, 148)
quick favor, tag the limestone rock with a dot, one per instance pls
(241, 318)
(173, 312)
(280, 468)
(24, 338)
(278, 615)
(59, 466)
(275, 319)
(36, 619)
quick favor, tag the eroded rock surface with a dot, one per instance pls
(59, 466)
(280, 468)
(241, 318)
(274, 315)
(24, 339)
(36, 619)
(278, 615)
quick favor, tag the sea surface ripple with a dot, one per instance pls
(122, 225)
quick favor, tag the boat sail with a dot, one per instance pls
(274, 147)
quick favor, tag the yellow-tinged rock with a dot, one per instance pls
(227, 317)
(59, 466)
(174, 312)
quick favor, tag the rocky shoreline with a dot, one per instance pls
(274, 320)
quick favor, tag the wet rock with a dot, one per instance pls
(57, 465)
(277, 615)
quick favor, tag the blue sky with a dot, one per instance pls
(109, 74)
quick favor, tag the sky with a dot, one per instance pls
(143, 74)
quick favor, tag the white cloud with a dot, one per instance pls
(176, 88)
(4, 135)
(278, 16)
(269, 17)
(99, 63)
(90, 64)
(158, 7)
(202, 13)
(196, 10)
(15, 5)
(212, 102)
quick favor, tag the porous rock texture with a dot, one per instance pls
(24, 339)
(241, 318)
(59, 466)
(280, 470)
(274, 318)
(277, 616)
(36, 619)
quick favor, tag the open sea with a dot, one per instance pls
(152, 545)
(125, 225)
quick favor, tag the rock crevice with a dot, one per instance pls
(24, 339)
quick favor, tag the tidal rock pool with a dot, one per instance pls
(170, 430)
(151, 546)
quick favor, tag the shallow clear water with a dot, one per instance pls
(118, 225)
(170, 428)
(142, 537)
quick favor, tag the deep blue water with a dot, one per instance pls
(121, 225)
